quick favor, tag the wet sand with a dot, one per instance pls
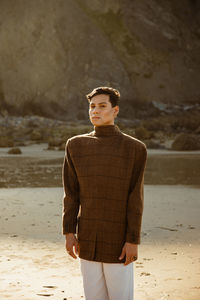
(34, 264)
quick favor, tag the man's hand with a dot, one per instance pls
(131, 252)
(71, 241)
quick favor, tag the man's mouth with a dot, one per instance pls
(95, 117)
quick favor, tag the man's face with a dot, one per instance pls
(101, 111)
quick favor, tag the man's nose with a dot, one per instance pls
(95, 110)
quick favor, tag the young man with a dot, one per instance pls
(103, 174)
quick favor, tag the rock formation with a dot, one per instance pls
(53, 52)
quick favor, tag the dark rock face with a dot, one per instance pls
(53, 52)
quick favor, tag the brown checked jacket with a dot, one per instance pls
(103, 177)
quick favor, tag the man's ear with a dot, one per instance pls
(116, 110)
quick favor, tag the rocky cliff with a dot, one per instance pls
(53, 52)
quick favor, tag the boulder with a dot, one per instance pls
(54, 142)
(153, 145)
(142, 133)
(36, 135)
(186, 142)
(15, 150)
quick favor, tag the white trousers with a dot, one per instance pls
(107, 281)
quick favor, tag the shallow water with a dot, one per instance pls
(39, 167)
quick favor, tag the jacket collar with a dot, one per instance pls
(106, 130)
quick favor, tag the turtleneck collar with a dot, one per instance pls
(106, 130)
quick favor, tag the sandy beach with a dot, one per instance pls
(33, 260)
(34, 264)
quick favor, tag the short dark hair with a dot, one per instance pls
(114, 95)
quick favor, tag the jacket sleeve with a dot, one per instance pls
(71, 193)
(136, 197)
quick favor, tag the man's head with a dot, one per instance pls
(103, 105)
